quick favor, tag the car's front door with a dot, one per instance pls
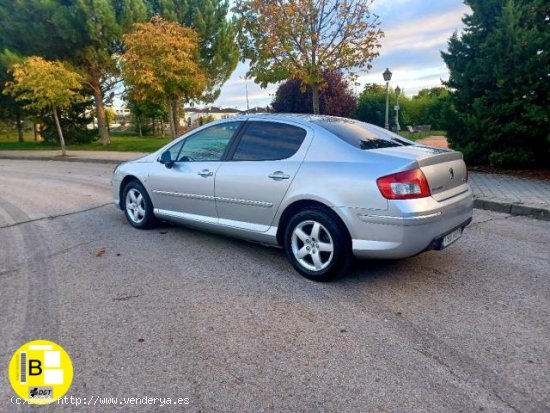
(252, 182)
(186, 188)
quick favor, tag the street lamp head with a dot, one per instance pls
(398, 90)
(387, 75)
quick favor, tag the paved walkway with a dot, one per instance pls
(78, 156)
(496, 192)
(511, 194)
(437, 141)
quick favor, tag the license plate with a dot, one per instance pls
(450, 238)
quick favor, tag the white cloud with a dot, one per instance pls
(425, 33)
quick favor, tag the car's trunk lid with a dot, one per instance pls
(444, 169)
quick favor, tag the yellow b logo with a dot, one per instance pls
(40, 372)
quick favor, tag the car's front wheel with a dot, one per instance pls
(138, 207)
(317, 245)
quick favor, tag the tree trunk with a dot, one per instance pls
(19, 121)
(36, 129)
(315, 98)
(138, 121)
(176, 117)
(100, 114)
(171, 118)
(59, 131)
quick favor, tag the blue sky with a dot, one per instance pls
(415, 33)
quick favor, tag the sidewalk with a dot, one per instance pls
(495, 192)
(511, 194)
(73, 156)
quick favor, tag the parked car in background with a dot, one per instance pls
(324, 188)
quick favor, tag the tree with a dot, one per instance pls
(371, 105)
(335, 99)
(161, 62)
(99, 26)
(45, 85)
(9, 107)
(110, 117)
(300, 39)
(85, 32)
(144, 110)
(430, 107)
(218, 50)
(498, 73)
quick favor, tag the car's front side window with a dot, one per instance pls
(174, 150)
(269, 141)
(208, 144)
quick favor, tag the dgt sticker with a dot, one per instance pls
(40, 372)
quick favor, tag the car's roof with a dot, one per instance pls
(303, 118)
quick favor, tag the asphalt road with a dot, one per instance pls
(173, 312)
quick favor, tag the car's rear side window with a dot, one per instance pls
(360, 135)
(268, 141)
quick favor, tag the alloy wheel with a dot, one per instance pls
(135, 206)
(312, 245)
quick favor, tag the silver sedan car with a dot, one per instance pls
(324, 188)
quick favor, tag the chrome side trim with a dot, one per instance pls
(187, 196)
(248, 202)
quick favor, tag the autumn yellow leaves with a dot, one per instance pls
(161, 63)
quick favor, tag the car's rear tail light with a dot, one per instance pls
(404, 185)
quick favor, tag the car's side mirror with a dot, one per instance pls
(166, 159)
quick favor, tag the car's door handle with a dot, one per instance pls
(205, 173)
(278, 175)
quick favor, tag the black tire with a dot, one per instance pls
(148, 220)
(332, 231)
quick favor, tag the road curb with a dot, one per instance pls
(62, 159)
(512, 209)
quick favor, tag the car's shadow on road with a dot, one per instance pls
(363, 271)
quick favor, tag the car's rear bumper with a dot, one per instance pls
(408, 227)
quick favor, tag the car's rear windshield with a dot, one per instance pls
(362, 135)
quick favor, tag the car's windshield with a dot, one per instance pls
(361, 135)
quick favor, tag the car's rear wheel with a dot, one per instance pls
(138, 207)
(317, 245)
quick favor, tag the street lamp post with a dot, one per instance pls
(387, 77)
(246, 88)
(398, 92)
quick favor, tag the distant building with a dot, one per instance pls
(259, 109)
(123, 115)
(193, 114)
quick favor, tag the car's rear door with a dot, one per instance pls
(252, 182)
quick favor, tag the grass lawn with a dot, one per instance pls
(119, 142)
